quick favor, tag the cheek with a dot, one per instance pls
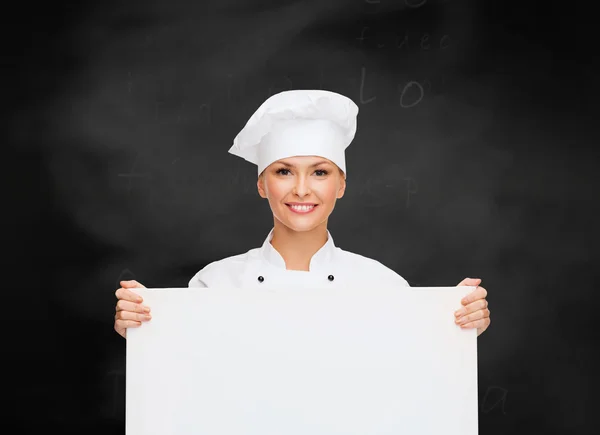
(276, 190)
(327, 192)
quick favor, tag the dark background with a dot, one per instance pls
(475, 156)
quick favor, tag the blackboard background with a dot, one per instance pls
(475, 156)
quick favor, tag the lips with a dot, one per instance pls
(301, 208)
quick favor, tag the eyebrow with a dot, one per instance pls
(289, 165)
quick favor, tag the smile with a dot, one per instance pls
(302, 209)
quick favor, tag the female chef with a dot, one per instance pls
(298, 139)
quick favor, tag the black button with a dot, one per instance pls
(260, 279)
(330, 277)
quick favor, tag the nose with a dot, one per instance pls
(301, 188)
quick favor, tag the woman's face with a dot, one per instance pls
(302, 190)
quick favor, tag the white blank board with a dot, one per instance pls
(304, 361)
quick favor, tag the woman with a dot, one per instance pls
(298, 139)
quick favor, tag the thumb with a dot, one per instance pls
(470, 282)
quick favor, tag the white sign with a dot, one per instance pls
(352, 361)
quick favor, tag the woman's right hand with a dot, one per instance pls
(130, 311)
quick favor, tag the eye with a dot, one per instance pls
(321, 172)
(282, 171)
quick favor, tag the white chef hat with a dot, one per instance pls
(298, 123)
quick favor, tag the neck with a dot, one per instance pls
(298, 247)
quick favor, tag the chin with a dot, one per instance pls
(300, 228)
(302, 224)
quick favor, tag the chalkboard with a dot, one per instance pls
(475, 156)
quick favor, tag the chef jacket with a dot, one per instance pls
(264, 267)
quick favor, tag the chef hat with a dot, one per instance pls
(298, 123)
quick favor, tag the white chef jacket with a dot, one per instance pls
(264, 267)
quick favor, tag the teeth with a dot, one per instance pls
(302, 207)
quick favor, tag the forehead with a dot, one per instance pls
(304, 160)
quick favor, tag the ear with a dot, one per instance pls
(260, 184)
(342, 188)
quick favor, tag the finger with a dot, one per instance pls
(128, 295)
(128, 315)
(481, 324)
(122, 325)
(486, 325)
(470, 282)
(477, 315)
(478, 293)
(123, 305)
(122, 332)
(131, 284)
(479, 304)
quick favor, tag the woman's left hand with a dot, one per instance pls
(474, 313)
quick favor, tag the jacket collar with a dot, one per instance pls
(318, 262)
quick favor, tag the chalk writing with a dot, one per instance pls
(427, 85)
(385, 189)
(502, 399)
(167, 110)
(409, 190)
(425, 45)
(404, 41)
(362, 86)
(405, 90)
(131, 175)
(444, 42)
(362, 35)
(414, 3)
(431, 85)
(426, 41)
